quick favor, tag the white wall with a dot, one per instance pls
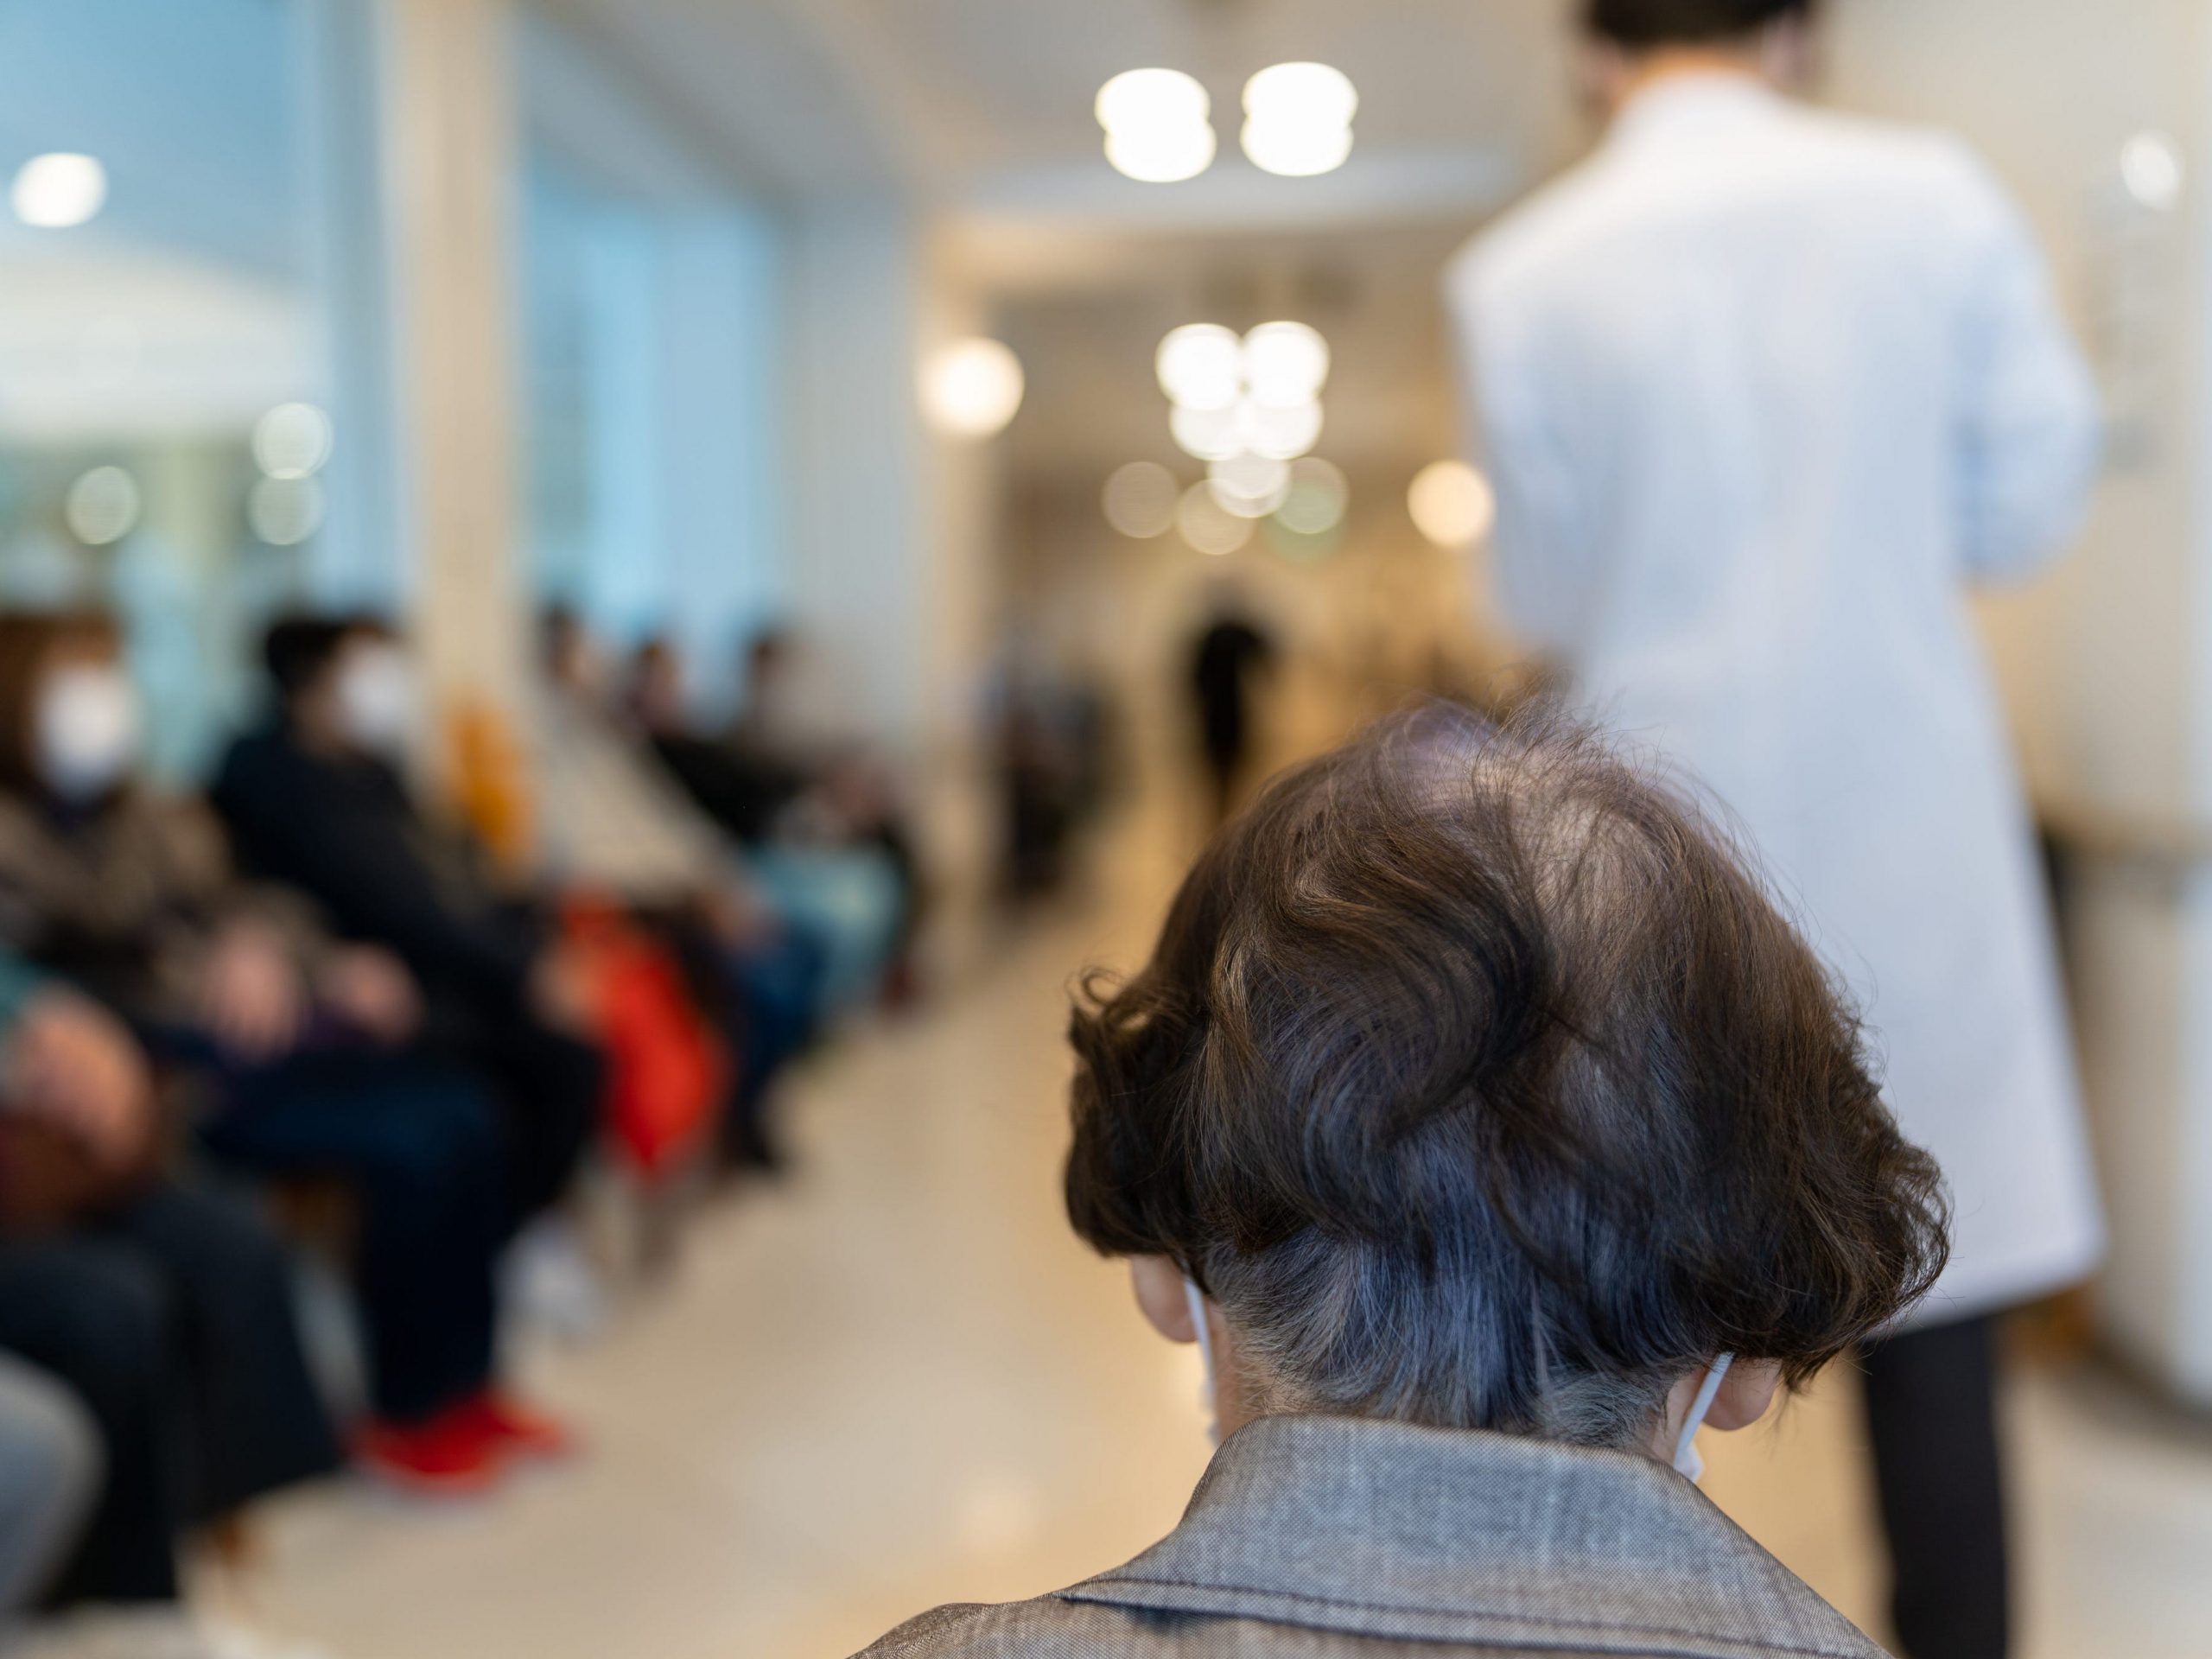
(2104, 660)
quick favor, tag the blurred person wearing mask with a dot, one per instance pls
(612, 819)
(304, 1047)
(165, 1310)
(1491, 1133)
(314, 800)
(1764, 391)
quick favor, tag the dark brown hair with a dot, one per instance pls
(1481, 1086)
(28, 643)
(1640, 25)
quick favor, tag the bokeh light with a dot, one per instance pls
(1281, 433)
(1249, 486)
(2151, 168)
(292, 441)
(1208, 526)
(1286, 363)
(285, 512)
(1208, 434)
(973, 389)
(102, 506)
(1320, 497)
(1140, 500)
(1298, 119)
(1451, 504)
(55, 192)
(1201, 365)
(1158, 130)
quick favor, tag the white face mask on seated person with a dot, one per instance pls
(87, 730)
(376, 699)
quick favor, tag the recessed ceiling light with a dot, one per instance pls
(1297, 118)
(1158, 125)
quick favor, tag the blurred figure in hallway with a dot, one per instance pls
(1229, 656)
(818, 840)
(1764, 390)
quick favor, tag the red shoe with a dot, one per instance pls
(451, 1455)
(509, 1425)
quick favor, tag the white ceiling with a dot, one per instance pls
(980, 111)
(953, 98)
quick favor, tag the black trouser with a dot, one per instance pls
(419, 1147)
(1931, 1412)
(173, 1321)
(549, 1088)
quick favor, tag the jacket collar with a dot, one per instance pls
(1391, 1531)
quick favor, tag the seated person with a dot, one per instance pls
(1491, 1131)
(166, 1311)
(611, 819)
(314, 801)
(303, 1046)
(846, 893)
(49, 1480)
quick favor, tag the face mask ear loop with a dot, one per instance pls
(1687, 1462)
(1209, 1399)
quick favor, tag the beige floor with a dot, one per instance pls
(899, 1381)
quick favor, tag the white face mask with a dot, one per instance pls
(1687, 1462)
(1209, 1398)
(88, 731)
(376, 700)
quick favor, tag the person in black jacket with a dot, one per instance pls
(313, 801)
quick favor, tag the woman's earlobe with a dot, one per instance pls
(1746, 1394)
(1159, 1286)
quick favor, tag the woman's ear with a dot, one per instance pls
(1746, 1394)
(1159, 1285)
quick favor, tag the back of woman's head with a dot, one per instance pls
(1480, 1086)
(1644, 25)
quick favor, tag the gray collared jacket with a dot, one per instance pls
(1320, 1538)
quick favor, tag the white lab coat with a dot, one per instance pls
(1763, 390)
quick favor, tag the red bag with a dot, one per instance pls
(667, 1076)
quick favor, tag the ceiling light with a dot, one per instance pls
(1286, 363)
(1140, 500)
(1298, 119)
(1168, 155)
(1451, 504)
(973, 389)
(1202, 367)
(1281, 433)
(102, 506)
(61, 190)
(1249, 486)
(1301, 94)
(1297, 152)
(1319, 496)
(1157, 125)
(1207, 526)
(292, 441)
(1208, 434)
(1152, 98)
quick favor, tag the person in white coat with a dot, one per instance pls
(1763, 390)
